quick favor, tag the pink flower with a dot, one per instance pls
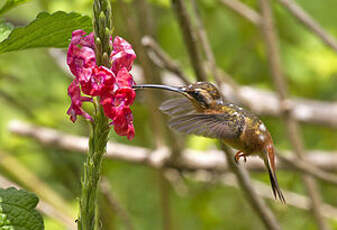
(123, 122)
(102, 80)
(81, 55)
(122, 55)
(113, 86)
(124, 78)
(75, 109)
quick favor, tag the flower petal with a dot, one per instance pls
(124, 78)
(122, 56)
(124, 96)
(122, 121)
(75, 108)
(81, 55)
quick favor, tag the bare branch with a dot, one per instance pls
(243, 10)
(190, 39)
(271, 40)
(212, 160)
(205, 44)
(164, 59)
(309, 22)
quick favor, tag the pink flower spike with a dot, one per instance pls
(75, 108)
(122, 55)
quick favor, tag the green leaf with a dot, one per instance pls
(47, 30)
(11, 4)
(5, 29)
(17, 210)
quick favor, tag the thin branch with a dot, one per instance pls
(190, 39)
(191, 160)
(164, 59)
(309, 22)
(292, 126)
(256, 202)
(205, 44)
(243, 10)
(45, 207)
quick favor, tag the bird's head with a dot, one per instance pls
(203, 94)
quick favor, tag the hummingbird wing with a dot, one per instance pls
(221, 126)
(176, 106)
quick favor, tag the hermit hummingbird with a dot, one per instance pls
(203, 112)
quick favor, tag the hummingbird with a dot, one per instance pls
(203, 112)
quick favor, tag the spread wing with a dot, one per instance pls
(208, 125)
(186, 120)
(176, 106)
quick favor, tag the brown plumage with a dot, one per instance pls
(202, 112)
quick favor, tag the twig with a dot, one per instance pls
(309, 22)
(44, 207)
(190, 39)
(164, 59)
(255, 201)
(310, 169)
(114, 204)
(190, 160)
(205, 44)
(292, 126)
(243, 10)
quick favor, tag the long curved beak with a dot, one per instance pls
(156, 86)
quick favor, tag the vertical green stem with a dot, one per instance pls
(92, 172)
(89, 216)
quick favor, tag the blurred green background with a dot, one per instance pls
(33, 88)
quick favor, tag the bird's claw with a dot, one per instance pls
(238, 155)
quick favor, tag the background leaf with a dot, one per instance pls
(5, 30)
(17, 210)
(11, 4)
(47, 30)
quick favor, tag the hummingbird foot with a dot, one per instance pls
(238, 155)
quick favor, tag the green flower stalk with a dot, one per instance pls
(89, 216)
(101, 68)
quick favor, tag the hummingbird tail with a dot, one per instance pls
(273, 180)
